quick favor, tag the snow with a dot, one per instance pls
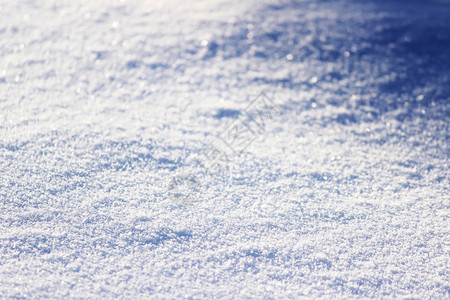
(342, 194)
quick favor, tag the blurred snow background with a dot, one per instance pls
(345, 195)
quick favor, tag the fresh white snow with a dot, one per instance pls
(343, 194)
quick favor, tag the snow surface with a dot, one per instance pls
(345, 194)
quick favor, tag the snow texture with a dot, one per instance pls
(344, 194)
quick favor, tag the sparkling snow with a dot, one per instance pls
(344, 194)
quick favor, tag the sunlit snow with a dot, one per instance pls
(107, 108)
